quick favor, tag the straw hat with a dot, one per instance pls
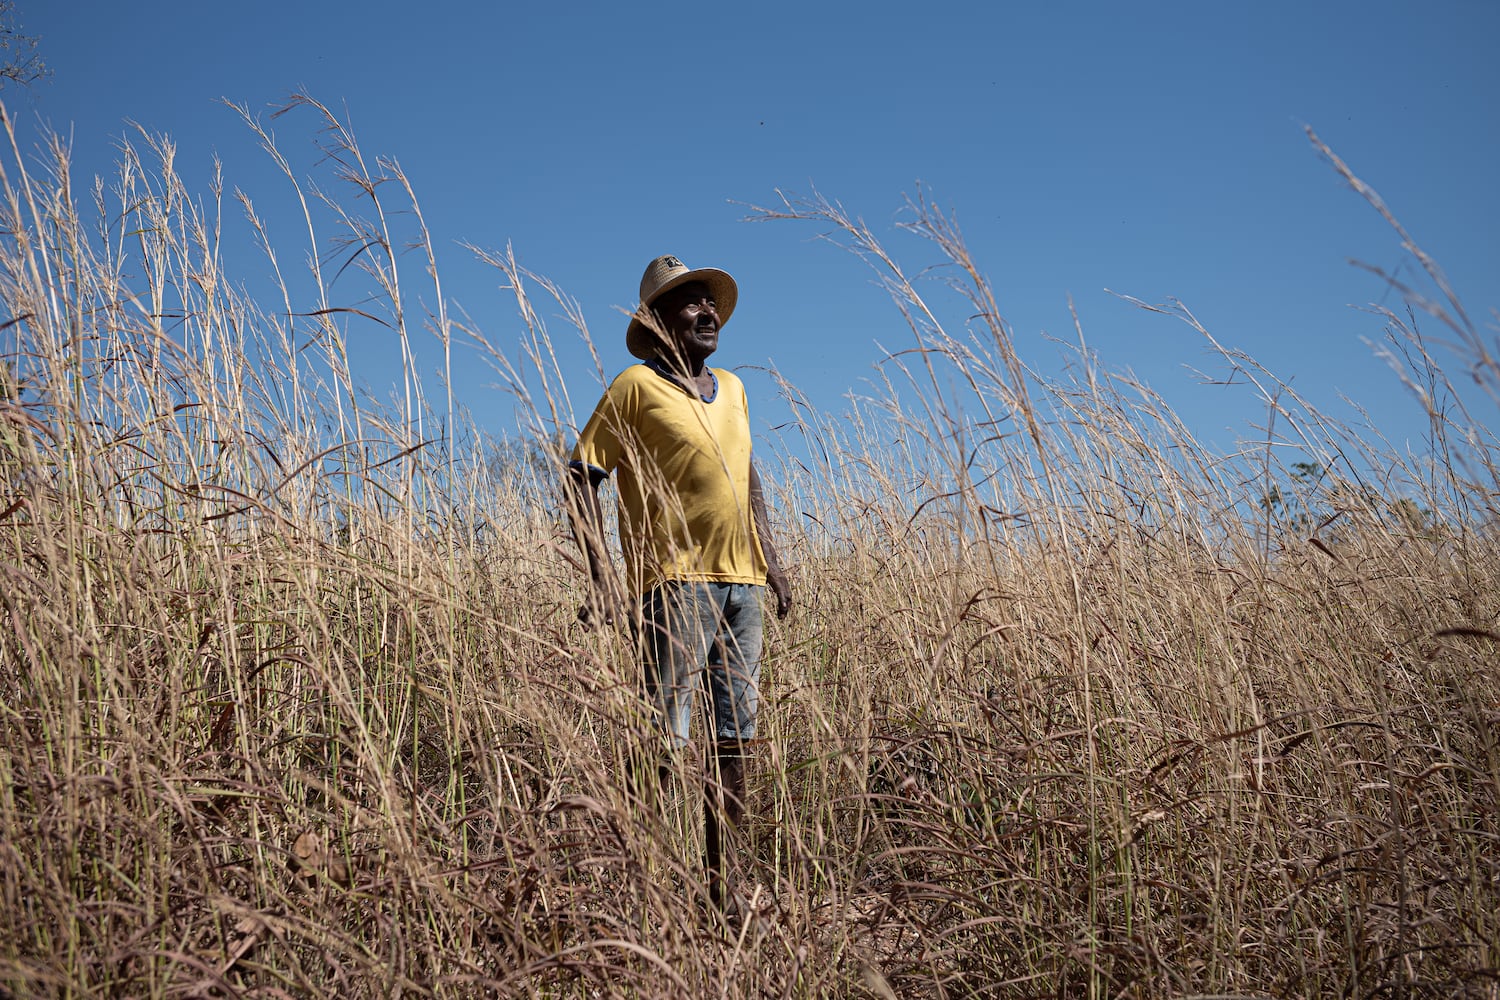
(662, 275)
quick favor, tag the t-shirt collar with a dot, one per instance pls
(655, 365)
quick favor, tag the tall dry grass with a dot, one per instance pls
(295, 702)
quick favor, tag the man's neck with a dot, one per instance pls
(684, 365)
(693, 373)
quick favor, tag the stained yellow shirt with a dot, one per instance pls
(683, 467)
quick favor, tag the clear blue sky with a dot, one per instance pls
(1155, 149)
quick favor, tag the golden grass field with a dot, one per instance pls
(295, 701)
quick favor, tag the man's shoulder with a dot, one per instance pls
(728, 380)
(629, 384)
(733, 389)
(632, 375)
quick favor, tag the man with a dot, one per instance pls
(693, 528)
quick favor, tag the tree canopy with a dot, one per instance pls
(19, 60)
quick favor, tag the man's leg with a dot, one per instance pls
(678, 622)
(734, 682)
(723, 809)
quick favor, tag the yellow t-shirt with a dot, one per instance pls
(684, 477)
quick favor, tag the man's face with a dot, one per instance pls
(691, 319)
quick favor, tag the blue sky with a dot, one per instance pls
(1154, 149)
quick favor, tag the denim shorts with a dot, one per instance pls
(698, 636)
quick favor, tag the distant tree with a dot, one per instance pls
(529, 469)
(1314, 500)
(1292, 508)
(19, 61)
(1415, 519)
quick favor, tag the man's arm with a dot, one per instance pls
(587, 518)
(775, 577)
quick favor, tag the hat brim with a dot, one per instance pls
(640, 338)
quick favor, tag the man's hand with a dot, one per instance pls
(603, 608)
(782, 589)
